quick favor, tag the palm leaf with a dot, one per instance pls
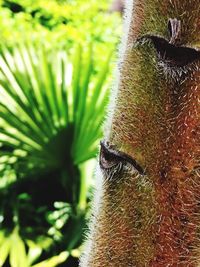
(14, 247)
(52, 105)
(48, 98)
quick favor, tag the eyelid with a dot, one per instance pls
(175, 55)
(109, 157)
(172, 51)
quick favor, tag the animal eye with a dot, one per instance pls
(113, 160)
(174, 55)
(171, 51)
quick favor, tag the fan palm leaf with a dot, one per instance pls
(51, 107)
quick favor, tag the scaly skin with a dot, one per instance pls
(153, 219)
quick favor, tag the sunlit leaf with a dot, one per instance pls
(4, 250)
(34, 252)
(18, 256)
(52, 105)
(54, 261)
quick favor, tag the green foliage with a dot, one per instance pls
(43, 107)
(52, 104)
(60, 23)
(51, 110)
(14, 247)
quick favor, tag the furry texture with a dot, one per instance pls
(152, 219)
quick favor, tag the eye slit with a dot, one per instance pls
(169, 51)
(179, 56)
(112, 158)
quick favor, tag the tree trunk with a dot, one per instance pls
(147, 206)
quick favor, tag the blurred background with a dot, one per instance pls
(56, 63)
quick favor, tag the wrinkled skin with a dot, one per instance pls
(148, 210)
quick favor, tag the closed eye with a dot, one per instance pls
(174, 55)
(171, 51)
(112, 159)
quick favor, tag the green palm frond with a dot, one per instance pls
(52, 104)
(51, 107)
(14, 247)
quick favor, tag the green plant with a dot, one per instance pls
(14, 246)
(51, 110)
(60, 24)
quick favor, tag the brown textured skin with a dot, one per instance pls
(154, 220)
